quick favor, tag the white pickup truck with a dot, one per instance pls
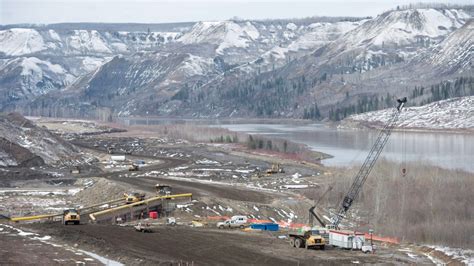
(144, 228)
(237, 221)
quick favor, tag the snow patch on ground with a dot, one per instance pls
(196, 65)
(103, 260)
(207, 161)
(464, 255)
(31, 192)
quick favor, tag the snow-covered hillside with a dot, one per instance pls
(265, 42)
(231, 65)
(224, 34)
(456, 51)
(26, 41)
(21, 74)
(21, 142)
(394, 36)
(400, 28)
(16, 42)
(456, 113)
(314, 36)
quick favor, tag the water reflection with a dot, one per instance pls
(448, 150)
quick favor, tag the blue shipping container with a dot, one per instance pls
(265, 226)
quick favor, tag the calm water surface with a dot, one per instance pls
(447, 150)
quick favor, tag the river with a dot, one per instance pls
(349, 146)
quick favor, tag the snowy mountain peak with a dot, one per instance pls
(18, 41)
(224, 34)
(403, 27)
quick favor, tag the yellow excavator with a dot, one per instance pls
(133, 197)
(275, 169)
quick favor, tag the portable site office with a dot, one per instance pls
(346, 239)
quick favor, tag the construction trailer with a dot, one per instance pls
(346, 239)
(118, 158)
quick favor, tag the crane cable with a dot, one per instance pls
(404, 153)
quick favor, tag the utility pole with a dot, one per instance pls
(371, 232)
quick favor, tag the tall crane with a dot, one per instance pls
(368, 164)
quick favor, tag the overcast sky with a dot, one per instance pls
(156, 11)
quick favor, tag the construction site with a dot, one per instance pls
(145, 199)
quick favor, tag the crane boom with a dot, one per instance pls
(368, 164)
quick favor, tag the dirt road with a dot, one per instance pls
(203, 246)
(200, 189)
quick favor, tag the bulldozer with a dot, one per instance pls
(133, 197)
(275, 169)
(71, 216)
(133, 167)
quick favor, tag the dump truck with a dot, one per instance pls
(162, 189)
(312, 238)
(110, 150)
(275, 169)
(71, 216)
(133, 197)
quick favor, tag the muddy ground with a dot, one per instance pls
(24, 248)
(203, 246)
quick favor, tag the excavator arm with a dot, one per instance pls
(367, 166)
(314, 215)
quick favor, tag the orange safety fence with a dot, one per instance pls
(218, 218)
(257, 221)
(392, 240)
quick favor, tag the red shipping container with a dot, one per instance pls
(153, 215)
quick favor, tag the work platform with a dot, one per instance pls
(162, 204)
